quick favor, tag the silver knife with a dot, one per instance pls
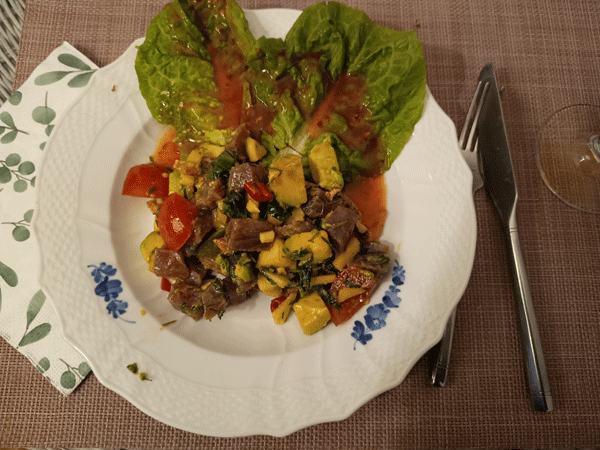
(498, 179)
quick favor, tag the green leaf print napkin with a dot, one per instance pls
(27, 321)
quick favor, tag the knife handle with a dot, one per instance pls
(532, 347)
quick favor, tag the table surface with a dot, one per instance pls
(547, 55)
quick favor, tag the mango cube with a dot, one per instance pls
(312, 313)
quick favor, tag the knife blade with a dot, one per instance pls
(499, 181)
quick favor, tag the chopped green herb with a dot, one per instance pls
(265, 273)
(144, 377)
(380, 260)
(234, 204)
(221, 165)
(327, 297)
(218, 286)
(297, 254)
(305, 276)
(133, 368)
(278, 211)
(329, 267)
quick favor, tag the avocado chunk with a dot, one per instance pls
(254, 150)
(243, 268)
(274, 256)
(150, 243)
(324, 166)
(301, 246)
(208, 252)
(286, 180)
(211, 150)
(312, 313)
(175, 185)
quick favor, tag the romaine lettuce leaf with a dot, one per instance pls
(391, 61)
(267, 65)
(177, 78)
(222, 22)
(174, 69)
(240, 30)
(311, 89)
(334, 30)
(286, 126)
(175, 75)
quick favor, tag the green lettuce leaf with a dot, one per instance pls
(334, 30)
(286, 126)
(311, 89)
(222, 22)
(175, 75)
(174, 69)
(177, 79)
(240, 30)
(267, 64)
(391, 61)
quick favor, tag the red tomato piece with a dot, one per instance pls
(349, 308)
(146, 180)
(175, 219)
(351, 276)
(258, 191)
(167, 154)
(276, 302)
(283, 297)
(165, 284)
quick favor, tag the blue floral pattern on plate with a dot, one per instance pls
(109, 289)
(376, 314)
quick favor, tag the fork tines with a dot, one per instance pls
(468, 142)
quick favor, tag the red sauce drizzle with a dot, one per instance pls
(345, 98)
(230, 88)
(369, 196)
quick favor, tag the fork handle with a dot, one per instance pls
(539, 386)
(439, 373)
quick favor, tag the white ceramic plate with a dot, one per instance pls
(243, 374)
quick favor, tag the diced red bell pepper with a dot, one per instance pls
(175, 219)
(166, 154)
(165, 284)
(258, 191)
(146, 180)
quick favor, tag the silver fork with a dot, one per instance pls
(468, 147)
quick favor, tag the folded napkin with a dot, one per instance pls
(27, 321)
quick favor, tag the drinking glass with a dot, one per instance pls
(568, 156)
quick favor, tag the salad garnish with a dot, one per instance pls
(248, 187)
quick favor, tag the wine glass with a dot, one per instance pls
(568, 156)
